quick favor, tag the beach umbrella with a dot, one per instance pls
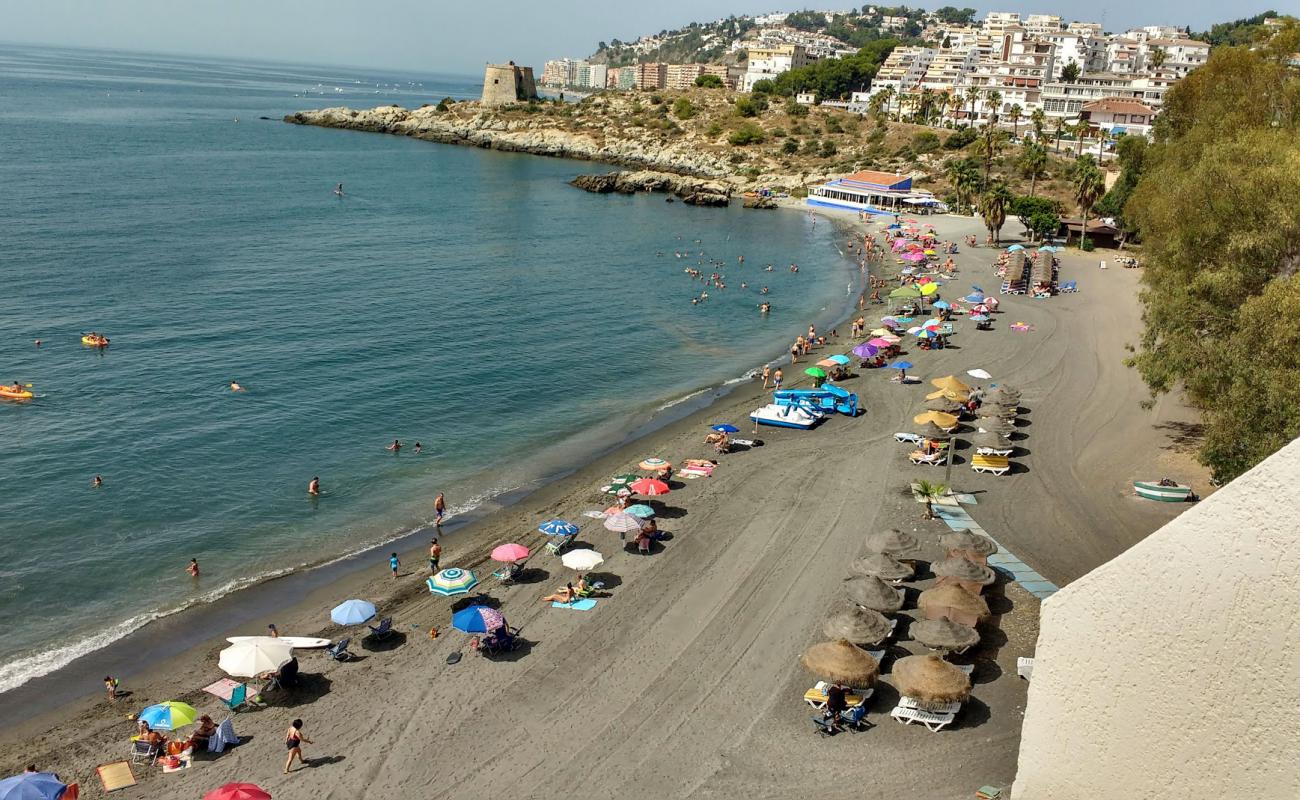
(32, 786)
(944, 634)
(948, 394)
(842, 360)
(942, 404)
(654, 464)
(931, 253)
(452, 581)
(951, 600)
(1003, 394)
(931, 431)
(882, 566)
(904, 293)
(981, 309)
(622, 523)
(913, 257)
(866, 350)
(978, 373)
(945, 421)
(582, 560)
(841, 662)
(169, 716)
(929, 289)
(991, 439)
(641, 510)
(951, 383)
(930, 680)
(932, 323)
(649, 487)
(879, 341)
(901, 365)
(1015, 247)
(891, 542)
(558, 527)
(915, 330)
(963, 569)
(942, 304)
(619, 482)
(725, 428)
(816, 372)
(238, 791)
(879, 332)
(969, 542)
(510, 553)
(857, 624)
(996, 425)
(254, 657)
(477, 619)
(974, 298)
(827, 362)
(927, 333)
(871, 592)
(996, 410)
(978, 317)
(352, 612)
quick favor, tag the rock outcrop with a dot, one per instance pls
(539, 134)
(691, 190)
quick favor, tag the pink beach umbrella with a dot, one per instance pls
(879, 341)
(510, 553)
(914, 257)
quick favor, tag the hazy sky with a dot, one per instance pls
(441, 36)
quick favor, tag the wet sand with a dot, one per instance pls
(685, 680)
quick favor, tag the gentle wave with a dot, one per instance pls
(683, 399)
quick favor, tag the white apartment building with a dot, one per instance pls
(1017, 70)
(1066, 100)
(1087, 51)
(765, 63)
(560, 72)
(1124, 56)
(1181, 55)
(903, 70)
(958, 36)
(1117, 115)
(1042, 24)
(1092, 29)
(948, 69)
(998, 21)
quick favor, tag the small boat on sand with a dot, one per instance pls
(785, 416)
(1166, 490)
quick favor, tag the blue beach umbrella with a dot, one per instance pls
(901, 365)
(1047, 248)
(169, 716)
(941, 304)
(973, 298)
(725, 428)
(352, 612)
(641, 510)
(452, 581)
(978, 289)
(1013, 248)
(839, 359)
(558, 527)
(979, 317)
(32, 786)
(477, 619)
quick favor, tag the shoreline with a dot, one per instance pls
(180, 632)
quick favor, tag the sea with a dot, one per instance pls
(465, 299)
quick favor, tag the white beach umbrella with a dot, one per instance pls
(248, 659)
(978, 373)
(582, 560)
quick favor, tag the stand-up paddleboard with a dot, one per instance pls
(296, 642)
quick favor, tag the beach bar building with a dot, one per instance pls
(874, 192)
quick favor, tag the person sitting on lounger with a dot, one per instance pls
(835, 704)
(566, 595)
(154, 739)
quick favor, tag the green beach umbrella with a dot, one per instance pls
(816, 372)
(904, 293)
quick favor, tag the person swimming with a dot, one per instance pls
(395, 446)
(313, 488)
(235, 387)
(338, 190)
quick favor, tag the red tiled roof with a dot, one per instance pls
(877, 178)
(1118, 105)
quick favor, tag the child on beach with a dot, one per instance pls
(393, 563)
(435, 553)
(193, 568)
(110, 685)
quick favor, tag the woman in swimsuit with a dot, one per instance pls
(293, 740)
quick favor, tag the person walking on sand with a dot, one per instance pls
(313, 488)
(393, 564)
(293, 739)
(435, 554)
(439, 509)
(193, 568)
(767, 375)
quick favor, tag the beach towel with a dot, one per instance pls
(577, 605)
(695, 472)
(224, 737)
(117, 775)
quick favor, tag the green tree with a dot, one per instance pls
(1131, 153)
(1080, 131)
(1015, 113)
(994, 101)
(1039, 215)
(1038, 119)
(965, 177)
(1157, 56)
(1033, 163)
(993, 208)
(988, 147)
(747, 134)
(1070, 73)
(750, 106)
(1089, 186)
(972, 96)
(709, 82)
(683, 108)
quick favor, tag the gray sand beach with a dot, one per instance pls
(685, 681)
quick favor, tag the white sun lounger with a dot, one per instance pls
(934, 722)
(934, 459)
(994, 451)
(916, 705)
(878, 655)
(1025, 667)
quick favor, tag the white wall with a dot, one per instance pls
(1173, 671)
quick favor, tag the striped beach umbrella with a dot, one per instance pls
(654, 464)
(622, 522)
(452, 581)
(558, 527)
(477, 619)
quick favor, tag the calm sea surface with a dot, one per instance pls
(463, 298)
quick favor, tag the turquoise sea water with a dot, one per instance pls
(467, 299)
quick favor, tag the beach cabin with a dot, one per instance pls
(876, 193)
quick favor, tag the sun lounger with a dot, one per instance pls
(941, 708)
(502, 640)
(339, 650)
(383, 630)
(933, 459)
(997, 465)
(816, 696)
(558, 543)
(969, 669)
(508, 573)
(1070, 286)
(994, 451)
(142, 752)
(934, 722)
(908, 438)
(878, 655)
(1025, 667)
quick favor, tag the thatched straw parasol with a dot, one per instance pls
(998, 425)
(891, 542)
(841, 662)
(995, 410)
(948, 394)
(944, 421)
(871, 592)
(930, 679)
(970, 542)
(931, 431)
(950, 383)
(1002, 394)
(941, 600)
(963, 570)
(881, 566)
(943, 634)
(942, 404)
(989, 439)
(857, 625)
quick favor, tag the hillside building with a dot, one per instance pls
(765, 63)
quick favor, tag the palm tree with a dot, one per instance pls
(1089, 186)
(994, 101)
(1157, 56)
(1014, 112)
(972, 94)
(941, 106)
(1080, 129)
(1039, 120)
(1060, 126)
(964, 176)
(929, 492)
(1034, 163)
(888, 94)
(988, 147)
(993, 208)
(1070, 73)
(878, 101)
(926, 102)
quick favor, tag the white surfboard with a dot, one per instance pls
(296, 642)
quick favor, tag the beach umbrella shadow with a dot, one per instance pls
(310, 688)
(532, 575)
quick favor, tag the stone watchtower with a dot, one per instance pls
(504, 84)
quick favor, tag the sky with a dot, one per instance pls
(444, 37)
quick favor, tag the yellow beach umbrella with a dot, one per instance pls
(950, 383)
(948, 394)
(928, 289)
(880, 332)
(945, 421)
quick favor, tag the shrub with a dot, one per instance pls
(960, 138)
(747, 134)
(925, 142)
(709, 82)
(764, 86)
(790, 147)
(811, 147)
(445, 104)
(795, 110)
(750, 106)
(828, 149)
(833, 125)
(683, 108)
(714, 130)
(1087, 246)
(656, 100)
(778, 133)
(801, 191)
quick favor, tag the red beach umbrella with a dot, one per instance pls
(238, 791)
(649, 487)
